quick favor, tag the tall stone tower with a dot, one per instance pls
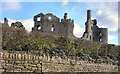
(93, 32)
(66, 27)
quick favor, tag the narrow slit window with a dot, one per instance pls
(90, 38)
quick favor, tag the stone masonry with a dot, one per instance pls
(49, 23)
(21, 62)
(93, 32)
(17, 25)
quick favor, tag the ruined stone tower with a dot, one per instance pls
(49, 23)
(93, 32)
(5, 22)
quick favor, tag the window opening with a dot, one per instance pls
(39, 18)
(52, 28)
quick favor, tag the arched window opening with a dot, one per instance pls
(39, 19)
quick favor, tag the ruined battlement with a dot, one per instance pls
(67, 21)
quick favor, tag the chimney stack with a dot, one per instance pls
(88, 15)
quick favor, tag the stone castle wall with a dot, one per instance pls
(49, 23)
(21, 62)
(93, 32)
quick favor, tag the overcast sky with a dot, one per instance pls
(105, 11)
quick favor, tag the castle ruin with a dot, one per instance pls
(49, 23)
(93, 32)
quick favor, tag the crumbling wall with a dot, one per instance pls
(93, 32)
(104, 35)
(96, 32)
(21, 62)
(49, 23)
(17, 25)
(46, 23)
